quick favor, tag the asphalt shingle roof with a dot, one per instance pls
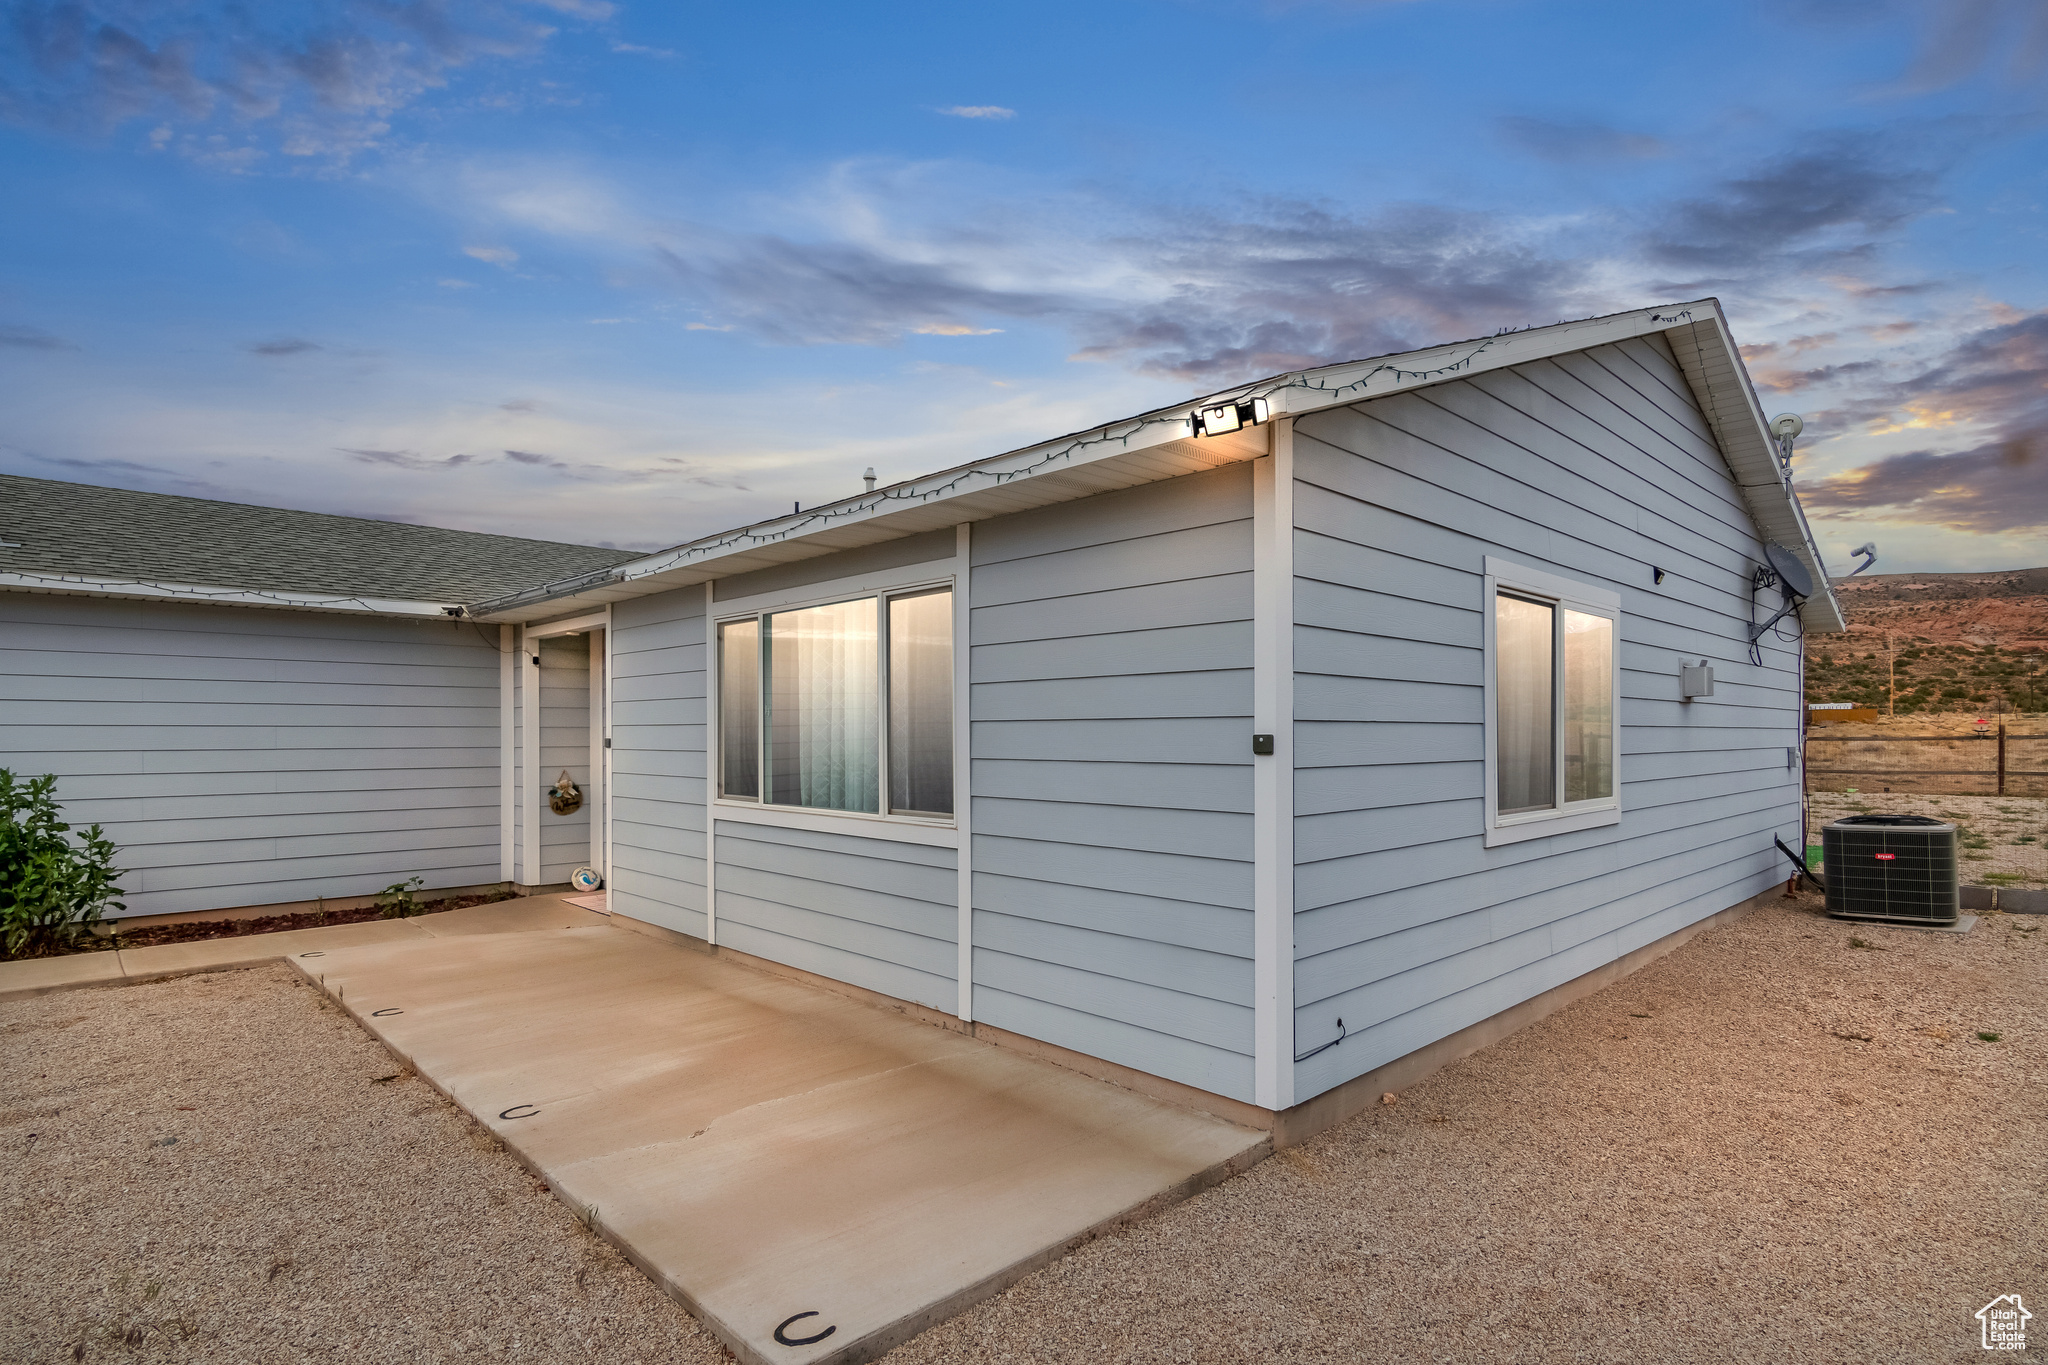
(79, 528)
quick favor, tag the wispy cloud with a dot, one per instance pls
(1962, 37)
(283, 346)
(1818, 210)
(1996, 489)
(1211, 296)
(405, 459)
(983, 111)
(1579, 141)
(320, 84)
(504, 257)
(32, 339)
(636, 50)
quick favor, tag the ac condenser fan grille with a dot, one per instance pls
(1895, 867)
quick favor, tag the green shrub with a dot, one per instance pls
(54, 885)
(396, 902)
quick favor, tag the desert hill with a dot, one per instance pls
(1946, 641)
(2007, 609)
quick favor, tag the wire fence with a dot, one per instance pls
(1992, 784)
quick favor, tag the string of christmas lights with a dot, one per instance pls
(1119, 433)
(191, 592)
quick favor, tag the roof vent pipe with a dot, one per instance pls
(870, 477)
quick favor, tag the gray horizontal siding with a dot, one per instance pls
(1110, 659)
(241, 757)
(657, 723)
(1596, 467)
(877, 913)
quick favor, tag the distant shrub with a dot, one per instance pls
(54, 884)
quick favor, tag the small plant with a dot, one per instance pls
(2003, 878)
(1865, 943)
(396, 900)
(54, 885)
(1984, 1037)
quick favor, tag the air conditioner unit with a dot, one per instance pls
(1891, 867)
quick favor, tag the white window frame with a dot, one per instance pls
(942, 832)
(1520, 580)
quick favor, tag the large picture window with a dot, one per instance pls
(1552, 731)
(846, 706)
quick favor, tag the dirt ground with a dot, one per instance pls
(211, 1169)
(2004, 839)
(1770, 1146)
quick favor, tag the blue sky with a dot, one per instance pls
(629, 273)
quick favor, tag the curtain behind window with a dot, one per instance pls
(1523, 665)
(739, 709)
(921, 703)
(823, 721)
(1588, 707)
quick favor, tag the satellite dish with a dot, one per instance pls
(1787, 426)
(1790, 571)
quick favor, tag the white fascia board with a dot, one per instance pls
(85, 585)
(1713, 366)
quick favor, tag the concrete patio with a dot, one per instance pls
(816, 1179)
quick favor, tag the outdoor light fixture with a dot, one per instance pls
(1232, 416)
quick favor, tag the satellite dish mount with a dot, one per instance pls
(1789, 574)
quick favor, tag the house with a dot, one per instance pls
(267, 707)
(1259, 752)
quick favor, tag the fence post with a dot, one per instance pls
(2001, 758)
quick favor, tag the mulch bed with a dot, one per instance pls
(194, 930)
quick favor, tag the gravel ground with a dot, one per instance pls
(1771, 1146)
(2004, 838)
(208, 1169)
(1693, 1165)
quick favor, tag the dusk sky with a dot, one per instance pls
(627, 273)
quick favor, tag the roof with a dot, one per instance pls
(1163, 444)
(73, 537)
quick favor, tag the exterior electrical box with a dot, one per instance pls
(1891, 867)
